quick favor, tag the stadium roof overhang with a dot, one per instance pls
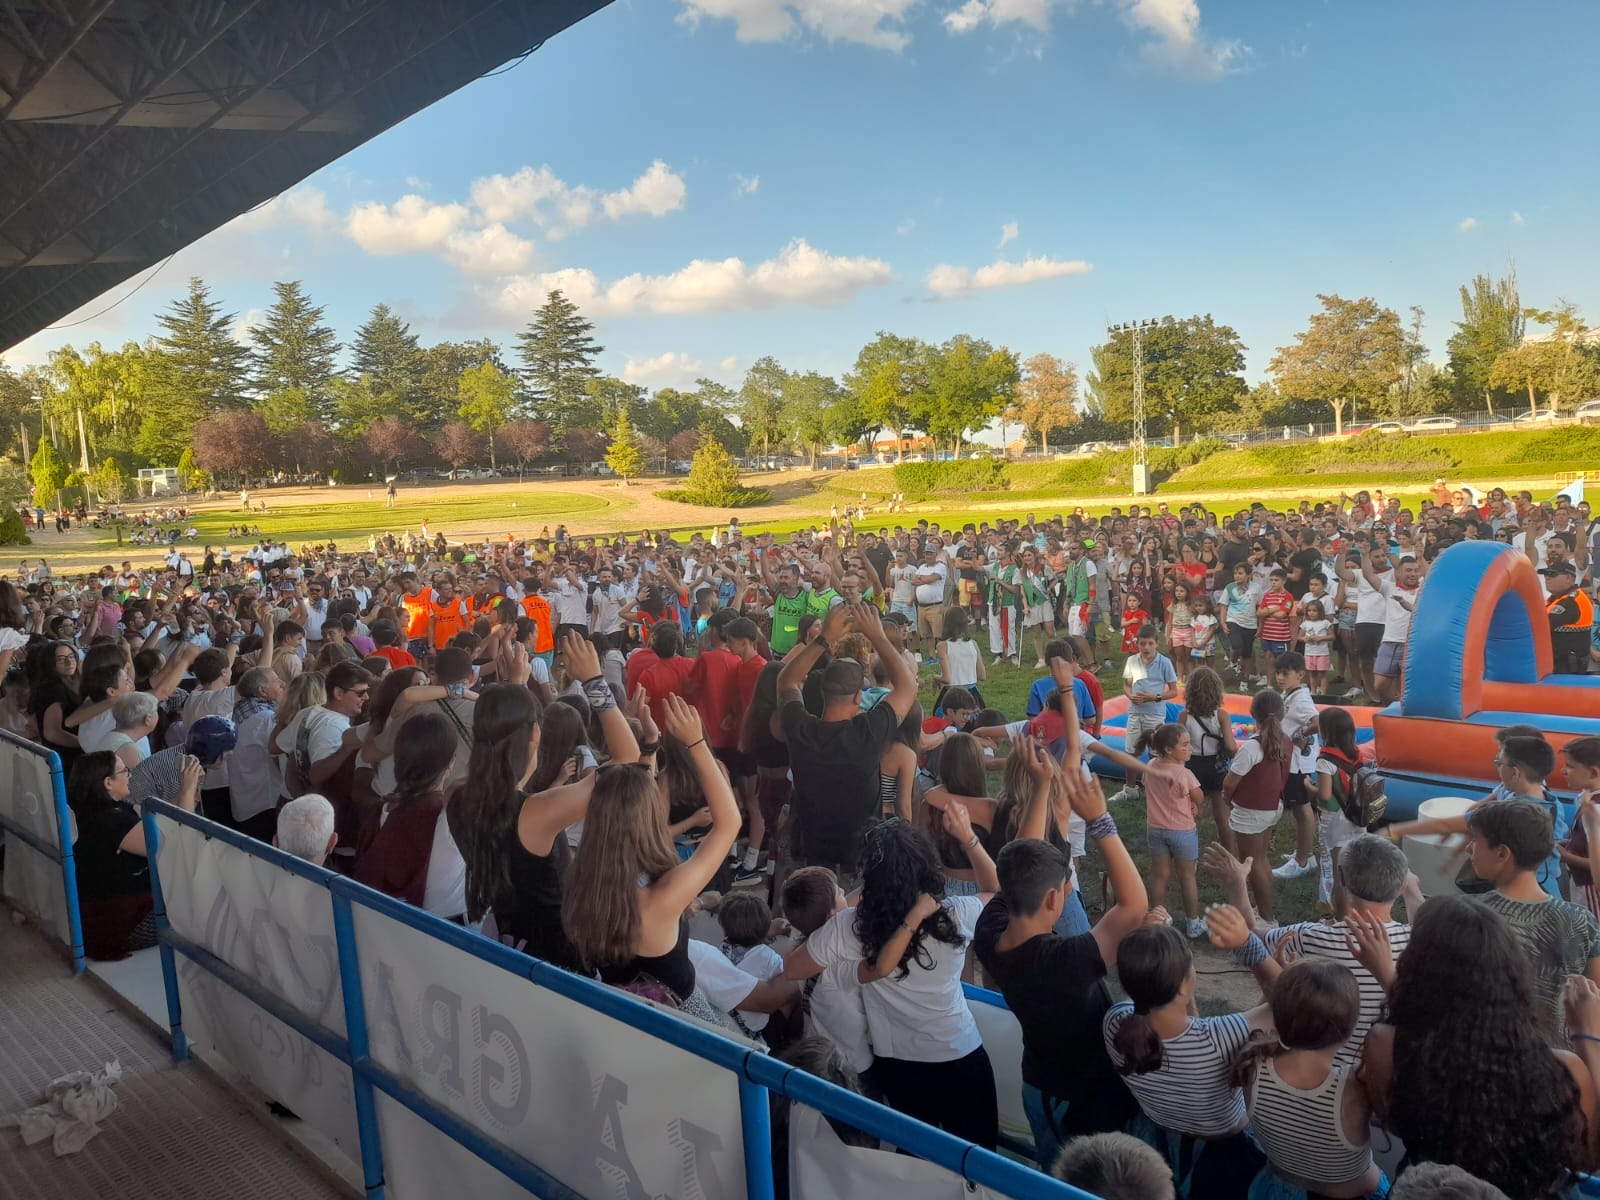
(130, 128)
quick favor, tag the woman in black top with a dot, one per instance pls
(109, 855)
(514, 844)
(52, 695)
(632, 932)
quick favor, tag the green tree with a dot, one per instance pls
(196, 371)
(811, 412)
(669, 412)
(110, 481)
(387, 359)
(108, 386)
(1491, 323)
(487, 398)
(558, 350)
(970, 382)
(49, 474)
(186, 468)
(18, 405)
(293, 354)
(1573, 373)
(1352, 350)
(890, 375)
(1046, 397)
(439, 383)
(625, 456)
(761, 402)
(713, 471)
(1193, 371)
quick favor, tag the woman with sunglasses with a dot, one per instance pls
(109, 856)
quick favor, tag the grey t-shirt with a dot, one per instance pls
(1560, 939)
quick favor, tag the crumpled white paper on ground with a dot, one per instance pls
(71, 1111)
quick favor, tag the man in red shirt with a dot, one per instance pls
(386, 637)
(713, 686)
(669, 673)
(743, 637)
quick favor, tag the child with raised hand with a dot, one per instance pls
(1309, 1112)
(1582, 759)
(1316, 631)
(1172, 805)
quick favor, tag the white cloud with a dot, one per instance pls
(1177, 41)
(906, 226)
(798, 275)
(947, 281)
(1179, 44)
(492, 250)
(411, 226)
(746, 185)
(731, 363)
(538, 194)
(244, 324)
(1467, 224)
(657, 192)
(669, 366)
(302, 206)
(1008, 232)
(1517, 218)
(876, 23)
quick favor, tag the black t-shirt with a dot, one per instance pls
(835, 767)
(1055, 986)
(1303, 564)
(880, 556)
(104, 870)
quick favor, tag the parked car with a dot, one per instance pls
(1435, 423)
(1540, 415)
(1386, 427)
(1589, 411)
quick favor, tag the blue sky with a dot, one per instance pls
(715, 180)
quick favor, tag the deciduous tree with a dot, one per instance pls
(48, 472)
(1193, 371)
(684, 443)
(970, 382)
(813, 404)
(890, 375)
(391, 442)
(1046, 397)
(1491, 323)
(761, 402)
(487, 397)
(1352, 350)
(527, 440)
(457, 445)
(234, 445)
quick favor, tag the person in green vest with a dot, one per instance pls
(790, 602)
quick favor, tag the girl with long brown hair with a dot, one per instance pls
(1254, 786)
(626, 894)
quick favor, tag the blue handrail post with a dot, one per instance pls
(169, 964)
(355, 1023)
(69, 870)
(755, 1119)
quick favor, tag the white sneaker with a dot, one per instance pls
(1127, 793)
(1197, 928)
(1293, 868)
(1355, 692)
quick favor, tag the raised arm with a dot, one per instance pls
(674, 890)
(902, 683)
(959, 826)
(583, 661)
(1089, 802)
(1042, 776)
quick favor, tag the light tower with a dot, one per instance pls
(1141, 451)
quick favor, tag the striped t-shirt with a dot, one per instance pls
(1189, 1092)
(1312, 939)
(1560, 939)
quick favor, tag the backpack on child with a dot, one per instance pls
(1357, 789)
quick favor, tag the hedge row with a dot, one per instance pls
(727, 498)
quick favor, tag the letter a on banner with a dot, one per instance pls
(605, 1136)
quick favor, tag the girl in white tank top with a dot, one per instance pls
(1309, 1113)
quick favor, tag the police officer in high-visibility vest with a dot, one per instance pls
(1571, 613)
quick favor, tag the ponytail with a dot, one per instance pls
(1137, 1044)
(1263, 1044)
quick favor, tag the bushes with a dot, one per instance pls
(741, 498)
(1558, 446)
(12, 531)
(960, 475)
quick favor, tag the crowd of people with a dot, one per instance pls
(791, 734)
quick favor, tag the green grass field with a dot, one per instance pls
(355, 516)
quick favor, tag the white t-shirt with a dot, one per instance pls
(932, 593)
(255, 780)
(1370, 603)
(326, 732)
(902, 591)
(1396, 615)
(923, 1017)
(724, 984)
(838, 1013)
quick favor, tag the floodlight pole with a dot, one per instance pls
(1141, 449)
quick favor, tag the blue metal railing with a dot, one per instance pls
(757, 1073)
(61, 853)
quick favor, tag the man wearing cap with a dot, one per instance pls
(210, 739)
(834, 757)
(1571, 614)
(930, 581)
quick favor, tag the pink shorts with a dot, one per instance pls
(1181, 635)
(1317, 662)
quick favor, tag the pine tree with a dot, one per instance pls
(626, 456)
(293, 359)
(387, 357)
(558, 353)
(196, 371)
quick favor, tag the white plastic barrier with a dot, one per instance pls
(38, 832)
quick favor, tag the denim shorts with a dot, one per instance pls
(1391, 658)
(1178, 843)
(1273, 649)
